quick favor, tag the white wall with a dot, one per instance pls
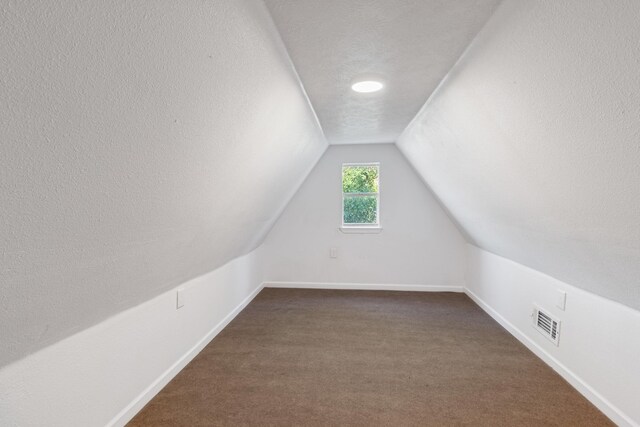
(140, 148)
(599, 339)
(106, 373)
(418, 243)
(141, 144)
(532, 141)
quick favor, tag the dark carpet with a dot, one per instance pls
(298, 357)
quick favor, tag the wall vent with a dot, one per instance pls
(546, 324)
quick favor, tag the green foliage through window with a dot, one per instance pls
(360, 194)
(360, 179)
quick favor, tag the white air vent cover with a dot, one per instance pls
(546, 325)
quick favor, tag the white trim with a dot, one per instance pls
(364, 286)
(587, 391)
(615, 414)
(370, 194)
(361, 163)
(124, 416)
(376, 194)
(361, 230)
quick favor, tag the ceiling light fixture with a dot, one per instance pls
(367, 86)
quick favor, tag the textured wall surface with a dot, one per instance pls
(533, 141)
(599, 338)
(418, 244)
(409, 44)
(104, 374)
(141, 144)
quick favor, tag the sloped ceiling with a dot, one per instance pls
(533, 141)
(142, 144)
(146, 143)
(409, 44)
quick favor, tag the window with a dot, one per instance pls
(360, 195)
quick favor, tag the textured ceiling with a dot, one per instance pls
(409, 44)
(532, 142)
(139, 148)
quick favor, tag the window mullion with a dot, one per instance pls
(360, 194)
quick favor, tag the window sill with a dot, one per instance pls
(361, 230)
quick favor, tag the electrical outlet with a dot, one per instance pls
(333, 253)
(179, 298)
(561, 299)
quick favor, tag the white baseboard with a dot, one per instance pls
(364, 286)
(594, 397)
(138, 403)
(583, 388)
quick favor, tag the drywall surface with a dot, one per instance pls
(141, 144)
(418, 243)
(532, 142)
(106, 373)
(599, 339)
(408, 44)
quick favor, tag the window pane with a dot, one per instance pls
(361, 210)
(360, 179)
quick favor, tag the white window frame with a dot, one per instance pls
(355, 226)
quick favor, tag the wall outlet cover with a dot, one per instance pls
(561, 299)
(179, 298)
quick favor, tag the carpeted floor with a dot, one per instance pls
(298, 357)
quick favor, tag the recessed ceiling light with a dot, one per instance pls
(367, 86)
